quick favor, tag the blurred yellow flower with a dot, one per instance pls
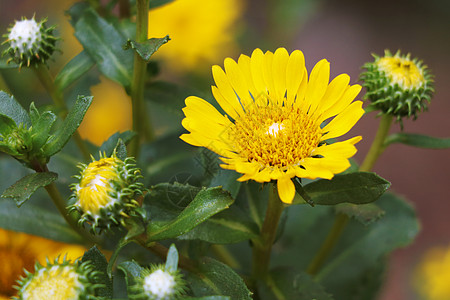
(201, 31)
(432, 275)
(109, 113)
(20, 250)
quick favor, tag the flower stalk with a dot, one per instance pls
(262, 247)
(141, 123)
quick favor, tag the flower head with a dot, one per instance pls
(30, 42)
(398, 85)
(19, 251)
(276, 131)
(157, 283)
(65, 280)
(201, 31)
(105, 193)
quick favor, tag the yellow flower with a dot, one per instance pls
(20, 251)
(106, 190)
(432, 276)
(276, 133)
(201, 31)
(109, 113)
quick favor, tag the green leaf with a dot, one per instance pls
(11, 108)
(51, 225)
(5, 65)
(41, 126)
(132, 270)
(68, 127)
(206, 203)
(216, 278)
(147, 48)
(73, 70)
(7, 125)
(104, 43)
(357, 188)
(156, 3)
(362, 248)
(22, 190)
(100, 264)
(364, 213)
(108, 146)
(172, 259)
(418, 140)
(287, 283)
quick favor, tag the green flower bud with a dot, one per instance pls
(157, 283)
(30, 42)
(17, 143)
(106, 191)
(65, 280)
(398, 85)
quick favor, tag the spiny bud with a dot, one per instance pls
(106, 191)
(157, 283)
(60, 280)
(398, 85)
(30, 42)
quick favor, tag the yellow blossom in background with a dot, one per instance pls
(201, 31)
(109, 113)
(432, 276)
(278, 112)
(20, 250)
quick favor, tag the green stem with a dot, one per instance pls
(137, 85)
(333, 236)
(378, 144)
(341, 220)
(262, 247)
(47, 81)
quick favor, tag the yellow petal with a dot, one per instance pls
(317, 85)
(238, 82)
(339, 149)
(267, 74)
(256, 66)
(348, 96)
(227, 106)
(343, 122)
(295, 70)
(244, 65)
(226, 90)
(334, 92)
(315, 170)
(280, 60)
(286, 189)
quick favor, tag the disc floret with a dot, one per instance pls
(60, 280)
(30, 42)
(398, 85)
(158, 283)
(106, 191)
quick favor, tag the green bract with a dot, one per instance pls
(397, 85)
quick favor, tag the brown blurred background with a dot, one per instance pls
(346, 32)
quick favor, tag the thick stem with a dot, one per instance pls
(378, 144)
(47, 81)
(137, 86)
(333, 236)
(262, 247)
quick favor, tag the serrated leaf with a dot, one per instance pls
(22, 190)
(418, 140)
(51, 225)
(364, 213)
(363, 248)
(172, 259)
(41, 126)
(100, 264)
(287, 283)
(7, 125)
(108, 146)
(357, 188)
(11, 108)
(104, 43)
(147, 48)
(73, 70)
(206, 203)
(215, 278)
(70, 124)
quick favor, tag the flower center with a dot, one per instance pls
(401, 71)
(159, 284)
(24, 34)
(96, 186)
(276, 136)
(54, 283)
